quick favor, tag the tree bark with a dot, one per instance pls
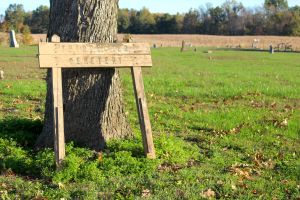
(93, 104)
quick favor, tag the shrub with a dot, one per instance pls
(27, 38)
(14, 158)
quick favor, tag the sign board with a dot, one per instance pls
(71, 55)
(56, 55)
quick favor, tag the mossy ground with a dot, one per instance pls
(226, 125)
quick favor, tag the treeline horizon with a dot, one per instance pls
(275, 17)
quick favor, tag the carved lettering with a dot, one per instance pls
(71, 60)
(78, 61)
(86, 60)
(92, 60)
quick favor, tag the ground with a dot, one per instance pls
(226, 125)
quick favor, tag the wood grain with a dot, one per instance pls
(94, 48)
(58, 115)
(143, 112)
(90, 61)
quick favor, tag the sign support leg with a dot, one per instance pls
(58, 116)
(143, 114)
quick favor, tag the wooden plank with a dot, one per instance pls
(58, 115)
(94, 48)
(143, 114)
(84, 61)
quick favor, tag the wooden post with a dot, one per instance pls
(58, 115)
(143, 114)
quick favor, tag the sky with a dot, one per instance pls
(170, 6)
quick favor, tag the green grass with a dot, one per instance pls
(226, 122)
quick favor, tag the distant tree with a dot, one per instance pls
(233, 22)
(123, 20)
(39, 20)
(293, 26)
(217, 22)
(1, 21)
(278, 17)
(295, 9)
(259, 22)
(14, 16)
(232, 8)
(248, 25)
(134, 23)
(205, 18)
(142, 21)
(279, 23)
(191, 22)
(146, 20)
(276, 5)
(27, 18)
(179, 22)
(231, 18)
(168, 24)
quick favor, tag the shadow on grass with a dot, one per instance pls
(17, 139)
(23, 131)
(255, 50)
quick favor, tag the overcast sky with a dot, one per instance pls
(171, 6)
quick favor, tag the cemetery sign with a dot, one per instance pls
(56, 55)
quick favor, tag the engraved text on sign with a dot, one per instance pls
(70, 55)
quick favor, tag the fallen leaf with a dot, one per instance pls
(100, 156)
(60, 185)
(284, 122)
(208, 194)
(273, 105)
(243, 171)
(146, 193)
(220, 182)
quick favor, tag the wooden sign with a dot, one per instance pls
(70, 55)
(56, 55)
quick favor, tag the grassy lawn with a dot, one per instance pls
(226, 126)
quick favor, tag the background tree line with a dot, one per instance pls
(275, 17)
(18, 19)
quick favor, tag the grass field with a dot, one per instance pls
(226, 126)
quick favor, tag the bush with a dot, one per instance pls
(13, 157)
(27, 38)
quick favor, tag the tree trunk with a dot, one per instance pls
(93, 104)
